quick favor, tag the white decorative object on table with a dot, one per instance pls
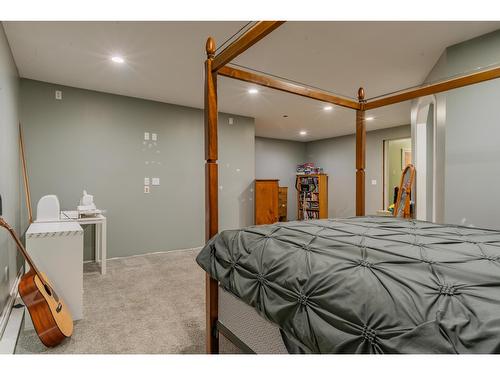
(87, 206)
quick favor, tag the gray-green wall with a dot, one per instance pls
(95, 141)
(9, 166)
(471, 122)
(337, 157)
(275, 158)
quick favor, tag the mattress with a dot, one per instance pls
(366, 284)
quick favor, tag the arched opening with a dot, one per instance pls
(426, 158)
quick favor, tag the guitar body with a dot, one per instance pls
(51, 318)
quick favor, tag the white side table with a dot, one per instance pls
(100, 234)
(57, 250)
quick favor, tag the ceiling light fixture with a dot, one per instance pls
(327, 108)
(253, 91)
(370, 118)
(118, 59)
(303, 132)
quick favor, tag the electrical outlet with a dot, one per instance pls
(58, 95)
(146, 181)
(6, 273)
(146, 189)
(231, 121)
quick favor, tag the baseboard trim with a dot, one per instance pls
(7, 319)
(155, 252)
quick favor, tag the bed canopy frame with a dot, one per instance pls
(216, 65)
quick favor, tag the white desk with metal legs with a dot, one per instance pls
(100, 234)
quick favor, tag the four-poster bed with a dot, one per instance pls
(216, 65)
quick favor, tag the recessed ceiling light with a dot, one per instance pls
(328, 108)
(253, 91)
(370, 118)
(303, 132)
(118, 59)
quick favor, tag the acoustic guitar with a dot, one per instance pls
(51, 318)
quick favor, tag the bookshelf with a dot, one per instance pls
(312, 196)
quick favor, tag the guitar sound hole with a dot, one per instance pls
(47, 289)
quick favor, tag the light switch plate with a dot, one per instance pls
(156, 181)
(146, 181)
(146, 136)
(146, 189)
(374, 182)
(154, 137)
(231, 121)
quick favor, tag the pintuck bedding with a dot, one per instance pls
(366, 284)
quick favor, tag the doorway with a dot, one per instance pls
(397, 155)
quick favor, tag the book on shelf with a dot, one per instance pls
(308, 215)
(314, 205)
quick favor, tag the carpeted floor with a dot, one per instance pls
(145, 304)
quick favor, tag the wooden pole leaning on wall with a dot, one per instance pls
(211, 193)
(25, 175)
(360, 154)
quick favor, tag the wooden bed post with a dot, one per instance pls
(360, 154)
(211, 193)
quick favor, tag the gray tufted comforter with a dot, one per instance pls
(366, 284)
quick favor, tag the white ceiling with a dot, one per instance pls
(164, 63)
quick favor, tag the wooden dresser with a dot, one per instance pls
(266, 201)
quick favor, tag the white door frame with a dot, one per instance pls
(386, 176)
(420, 151)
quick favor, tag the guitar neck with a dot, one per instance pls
(20, 246)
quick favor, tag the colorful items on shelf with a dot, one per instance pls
(308, 168)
